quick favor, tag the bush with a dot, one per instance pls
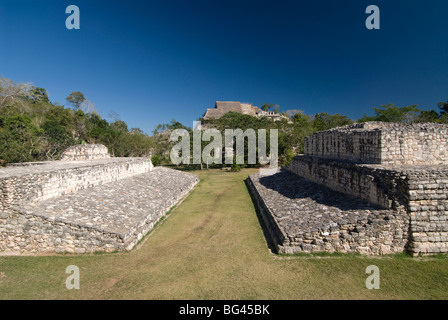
(237, 167)
(289, 154)
(156, 160)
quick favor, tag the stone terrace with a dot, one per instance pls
(111, 216)
(402, 168)
(302, 216)
(36, 181)
(93, 203)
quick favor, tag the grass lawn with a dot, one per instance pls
(212, 247)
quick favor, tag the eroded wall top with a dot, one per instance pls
(85, 152)
(382, 143)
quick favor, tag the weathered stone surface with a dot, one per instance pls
(44, 180)
(107, 217)
(302, 216)
(85, 152)
(403, 168)
(382, 143)
(95, 204)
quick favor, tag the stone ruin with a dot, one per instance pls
(85, 152)
(373, 188)
(85, 202)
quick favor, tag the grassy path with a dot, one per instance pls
(212, 247)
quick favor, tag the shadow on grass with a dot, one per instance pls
(182, 167)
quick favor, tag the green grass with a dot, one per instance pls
(212, 247)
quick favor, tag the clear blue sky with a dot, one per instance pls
(152, 61)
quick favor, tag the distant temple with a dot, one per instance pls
(222, 107)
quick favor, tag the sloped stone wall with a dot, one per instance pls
(382, 143)
(298, 219)
(22, 184)
(374, 184)
(108, 217)
(421, 191)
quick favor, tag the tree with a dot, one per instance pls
(301, 118)
(444, 118)
(11, 93)
(33, 129)
(443, 107)
(266, 106)
(324, 121)
(270, 106)
(427, 116)
(57, 137)
(392, 113)
(87, 106)
(20, 140)
(277, 108)
(39, 95)
(75, 99)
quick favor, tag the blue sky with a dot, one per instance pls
(152, 61)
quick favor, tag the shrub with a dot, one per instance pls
(237, 167)
(156, 160)
(289, 154)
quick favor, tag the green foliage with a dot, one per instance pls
(156, 160)
(290, 135)
(75, 99)
(324, 121)
(58, 138)
(408, 114)
(39, 95)
(444, 118)
(237, 167)
(289, 154)
(392, 113)
(34, 129)
(443, 106)
(173, 125)
(19, 139)
(427, 116)
(301, 119)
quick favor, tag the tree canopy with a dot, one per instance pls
(32, 128)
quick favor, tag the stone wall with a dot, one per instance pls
(428, 209)
(85, 202)
(108, 217)
(85, 152)
(382, 143)
(421, 191)
(25, 233)
(298, 220)
(375, 184)
(36, 182)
